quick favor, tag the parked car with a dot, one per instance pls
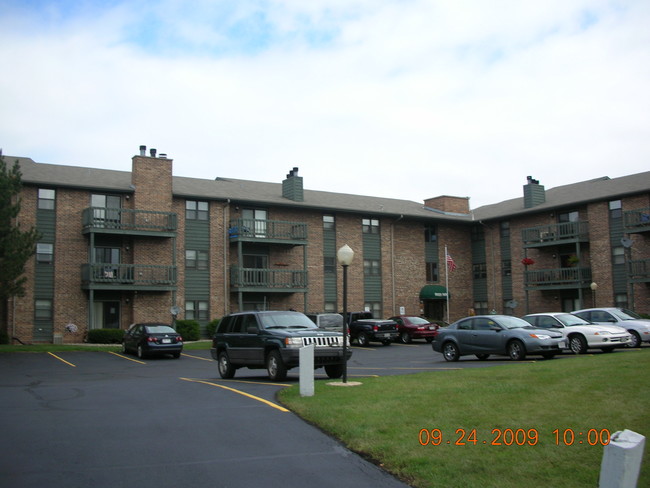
(365, 329)
(151, 339)
(637, 326)
(580, 334)
(483, 335)
(328, 321)
(410, 327)
(272, 340)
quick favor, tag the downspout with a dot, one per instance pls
(392, 260)
(226, 269)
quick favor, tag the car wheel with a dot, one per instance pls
(334, 370)
(405, 337)
(226, 369)
(636, 339)
(607, 349)
(141, 353)
(124, 349)
(516, 350)
(275, 366)
(176, 355)
(362, 339)
(482, 357)
(450, 351)
(577, 344)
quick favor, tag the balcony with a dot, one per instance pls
(269, 231)
(127, 221)
(105, 276)
(639, 270)
(557, 279)
(637, 220)
(555, 234)
(268, 280)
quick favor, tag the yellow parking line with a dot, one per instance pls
(62, 360)
(198, 357)
(124, 357)
(271, 404)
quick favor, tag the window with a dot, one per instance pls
(330, 307)
(479, 271)
(374, 308)
(430, 233)
(44, 253)
(328, 222)
(615, 209)
(478, 233)
(46, 199)
(481, 308)
(43, 309)
(618, 255)
(504, 228)
(432, 272)
(196, 210)
(329, 264)
(196, 310)
(506, 267)
(370, 226)
(109, 255)
(371, 267)
(572, 216)
(620, 300)
(196, 259)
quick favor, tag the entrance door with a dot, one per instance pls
(106, 315)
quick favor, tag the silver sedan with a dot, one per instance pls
(483, 335)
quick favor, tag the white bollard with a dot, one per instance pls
(622, 460)
(307, 370)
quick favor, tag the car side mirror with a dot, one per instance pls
(496, 329)
(252, 330)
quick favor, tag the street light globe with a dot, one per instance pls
(345, 255)
(593, 286)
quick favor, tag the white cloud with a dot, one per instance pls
(399, 99)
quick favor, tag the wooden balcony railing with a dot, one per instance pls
(637, 220)
(267, 278)
(552, 234)
(100, 219)
(265, 230)
(639, 270)
(575, 277)
(128, 275)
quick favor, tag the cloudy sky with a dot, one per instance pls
(406, 99)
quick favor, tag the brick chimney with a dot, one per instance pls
(151, 178)
(446, 203)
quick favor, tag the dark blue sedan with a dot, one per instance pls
(152, 339)
(503, 335)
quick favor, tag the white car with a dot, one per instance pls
(630, 321)
(580, 334)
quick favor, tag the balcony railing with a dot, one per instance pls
(267, 230)
(637, 220)
(639, 270)
(127, 276)
(558, 278)
(553, 234)
(100, 219)
(259, 278)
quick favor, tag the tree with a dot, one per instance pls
(16, 245)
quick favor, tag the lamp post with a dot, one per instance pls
(594, 287)
(344, 256)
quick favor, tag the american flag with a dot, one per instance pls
(451, 265)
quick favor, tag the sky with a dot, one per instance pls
(407, 99)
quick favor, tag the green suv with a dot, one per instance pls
(272, 340)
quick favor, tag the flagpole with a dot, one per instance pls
(447, 281)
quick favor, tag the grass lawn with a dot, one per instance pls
(388, 419)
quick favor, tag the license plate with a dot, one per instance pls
(432, 327)
(166, 341)
(562, 345)
(385, 335)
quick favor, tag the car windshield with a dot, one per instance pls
(569, 319)
(625, 314)
(512, 322)
(331, 320)
(160, 329)
(417, 320)
(286, 320)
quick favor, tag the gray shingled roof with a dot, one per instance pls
(257, 192)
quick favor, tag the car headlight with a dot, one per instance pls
(602, 332)
(293, 342)
(540, 336)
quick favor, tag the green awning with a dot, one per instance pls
(433, 292)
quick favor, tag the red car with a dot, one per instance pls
(411, 327)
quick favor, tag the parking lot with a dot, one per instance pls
(80, 419)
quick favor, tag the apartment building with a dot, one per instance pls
(121, 247)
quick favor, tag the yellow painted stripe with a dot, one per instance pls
(62, 360)
(125, 357)
(197, 357)
(270, 404)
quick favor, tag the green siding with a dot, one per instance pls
(197, 281)
(479, 285)
(44, 274)
(329, 279)
(372, 284)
